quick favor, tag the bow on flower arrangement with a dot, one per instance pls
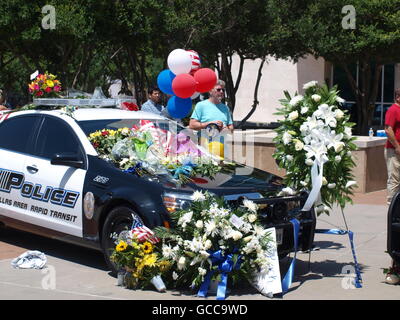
(45, 86)
(212, 241)
(314, 144)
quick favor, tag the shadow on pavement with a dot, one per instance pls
(307, 271)
(52, 247)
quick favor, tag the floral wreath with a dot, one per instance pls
(316, 134)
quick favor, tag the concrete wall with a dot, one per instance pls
(277, 76)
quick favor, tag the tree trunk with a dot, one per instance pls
(255, 101)
(226, 74)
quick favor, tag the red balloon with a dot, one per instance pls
(206, 79)
(184, 85)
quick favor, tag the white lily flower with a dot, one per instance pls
(289, 157)
(331, 185)
(309, 162)
(304, 110)
(340, 100)
(315, 149)
(312, 122)
(174, 276)
(347, 132)
(186, 218)
(295, 100)
(351, 183)
(286, 137)
(310, 84)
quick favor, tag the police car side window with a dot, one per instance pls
(15, 133)
(55, 136)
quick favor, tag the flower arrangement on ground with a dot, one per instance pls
(316, 132)
(45, 86)
(139, 258)
(210, 240)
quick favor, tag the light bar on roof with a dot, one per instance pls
(75, 102)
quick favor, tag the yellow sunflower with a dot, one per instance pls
(147, 247)
(150, 260)
(121, 246)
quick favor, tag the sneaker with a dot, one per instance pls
(392, 279)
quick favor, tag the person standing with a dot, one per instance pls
(392, 147)
(153, 103)
(212, 110)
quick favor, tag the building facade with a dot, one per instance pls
(281, 75)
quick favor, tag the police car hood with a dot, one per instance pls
(243, 180)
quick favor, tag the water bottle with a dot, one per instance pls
(371, 132)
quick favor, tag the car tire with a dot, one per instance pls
(118, 220)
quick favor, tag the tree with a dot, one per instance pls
(364, 32)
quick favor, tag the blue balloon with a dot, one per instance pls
(178, 107)
(164, 81)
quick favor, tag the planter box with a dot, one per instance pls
(370, 171)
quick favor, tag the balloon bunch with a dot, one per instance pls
(184, 80)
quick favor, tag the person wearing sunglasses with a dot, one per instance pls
(212, 111)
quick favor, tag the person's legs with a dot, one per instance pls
(393, 168)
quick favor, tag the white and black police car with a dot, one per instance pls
(53, 182)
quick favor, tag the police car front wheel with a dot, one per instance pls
(118, 220)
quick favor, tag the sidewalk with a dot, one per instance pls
(80, 273)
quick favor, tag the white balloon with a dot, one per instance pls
(195, 95)
(179, 61)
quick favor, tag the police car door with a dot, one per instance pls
(16, 134)
(54, 191)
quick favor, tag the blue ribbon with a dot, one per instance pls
(358, 279)
(225, 265)
(134, 169)
(185, 170)
(288, 278)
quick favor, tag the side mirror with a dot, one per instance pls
(68, 159)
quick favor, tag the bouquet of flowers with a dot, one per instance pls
(137, 151)
(316, 132)
(104, 140)
(211, 240)
(45, 85)
(139, 258)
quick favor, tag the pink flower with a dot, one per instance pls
(57, 88)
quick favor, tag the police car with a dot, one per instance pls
(53, 183)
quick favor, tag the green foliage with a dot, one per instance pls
(314, 128)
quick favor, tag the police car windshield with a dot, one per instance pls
(89, 126)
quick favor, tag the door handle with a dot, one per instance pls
(32, 169)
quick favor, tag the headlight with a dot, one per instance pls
(176, 201)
